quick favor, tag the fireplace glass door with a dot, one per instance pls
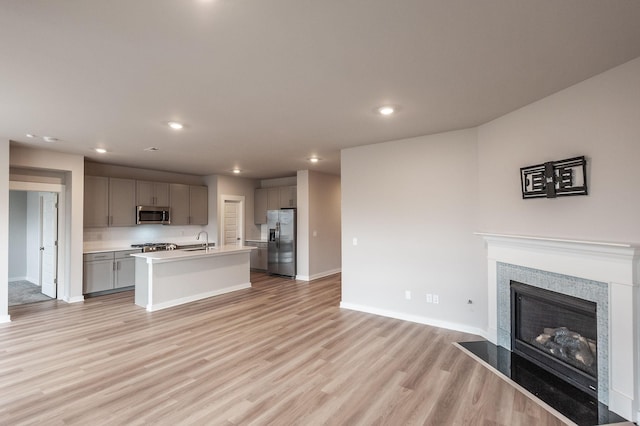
(556, 332)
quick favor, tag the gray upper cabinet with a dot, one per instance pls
(96, 201)
(189, 204)
(260, 206)
(288, 196)
(109, 201)
(274, 198)
(179, 203)
(152, 193)
(198, 205)
(112, 201)
(122, 202)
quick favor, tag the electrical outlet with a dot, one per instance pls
(407, 294)
(429, 298)
(436, 299)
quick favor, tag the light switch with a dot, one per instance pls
(355, 241)
(315, 233)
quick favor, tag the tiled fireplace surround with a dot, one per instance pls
(606, 273)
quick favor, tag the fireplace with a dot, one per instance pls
(605, 273)
(557, 332)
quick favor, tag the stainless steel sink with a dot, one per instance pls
(194, 249)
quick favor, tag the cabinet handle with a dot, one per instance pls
(114, 266)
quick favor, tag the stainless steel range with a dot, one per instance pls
(148, 247)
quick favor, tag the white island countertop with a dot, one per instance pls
(173, 277)
(174, 255)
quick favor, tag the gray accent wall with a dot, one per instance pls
(17, 235)
(324, 224)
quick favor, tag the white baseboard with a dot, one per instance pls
(416, 318)
(193, 298)
(5, 319)
(318, 275)
(74, 299)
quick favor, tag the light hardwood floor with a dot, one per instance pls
(282, 353)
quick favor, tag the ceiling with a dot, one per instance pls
(264, 85)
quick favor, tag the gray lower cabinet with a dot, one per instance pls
(108, 271)
(98, 272)
(258, 258)
(125, 270)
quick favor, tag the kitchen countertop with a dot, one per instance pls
(174, 255)
(106, 248)
(256, 241)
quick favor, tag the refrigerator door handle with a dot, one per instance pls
(277, 234)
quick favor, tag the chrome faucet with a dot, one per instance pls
(206, 234)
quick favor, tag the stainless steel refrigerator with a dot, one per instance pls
(281, 250)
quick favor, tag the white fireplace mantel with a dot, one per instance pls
(617, 265)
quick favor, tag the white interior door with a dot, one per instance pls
(49, 243)
(231, 223)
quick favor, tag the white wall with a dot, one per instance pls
(598, 118)
(17, 235)
(412, 206)
(73, 168)
(4, 230)
(324, 226)
(302, 225)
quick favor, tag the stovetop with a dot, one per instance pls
(147, 247)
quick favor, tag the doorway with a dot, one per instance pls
(33, 247)
(232, 220)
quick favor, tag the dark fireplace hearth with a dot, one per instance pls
(556, 332)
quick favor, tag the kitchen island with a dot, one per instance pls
(170, 278)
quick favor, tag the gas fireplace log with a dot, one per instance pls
(568, 344)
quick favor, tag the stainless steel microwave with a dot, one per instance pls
(153, 214)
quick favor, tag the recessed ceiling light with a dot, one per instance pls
(175, 125)
(152, 148)
(314, 159)
(31, 135)
(49, 139)
(100, 150)
(386, 110)
(236, 170)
